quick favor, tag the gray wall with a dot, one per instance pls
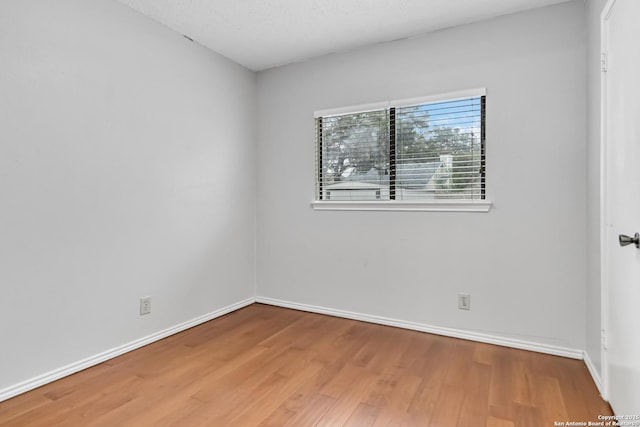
(523, 263)
(127, 169)
(128, 164)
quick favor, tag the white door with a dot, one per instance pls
(621, 203)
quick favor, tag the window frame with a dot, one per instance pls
(442, 205)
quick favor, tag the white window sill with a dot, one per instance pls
(424, 206)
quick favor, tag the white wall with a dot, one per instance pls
(127, 169)
(523, 263)
(594, 9)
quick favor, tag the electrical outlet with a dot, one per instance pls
(145, 306)
(464, 301)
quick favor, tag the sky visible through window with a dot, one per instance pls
(461, 113)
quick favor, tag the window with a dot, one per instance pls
(428, 150)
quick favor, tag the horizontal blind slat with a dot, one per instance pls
(439, 152)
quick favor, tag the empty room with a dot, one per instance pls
(319, 213)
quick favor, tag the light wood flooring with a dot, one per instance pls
(269, 366)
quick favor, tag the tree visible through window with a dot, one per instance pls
(431, 150)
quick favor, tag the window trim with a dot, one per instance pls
(407, 102)
(405, 206)
(478, 205)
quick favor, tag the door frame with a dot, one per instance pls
(605, 232)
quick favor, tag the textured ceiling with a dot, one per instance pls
(261, 34)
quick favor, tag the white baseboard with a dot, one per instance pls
(449, 332)
(594, 372)
(72, 368)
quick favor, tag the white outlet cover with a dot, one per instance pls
(145, 306)
(464, 301)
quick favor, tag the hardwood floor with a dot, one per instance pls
(268, 366)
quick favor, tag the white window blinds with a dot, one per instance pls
(421, 151)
